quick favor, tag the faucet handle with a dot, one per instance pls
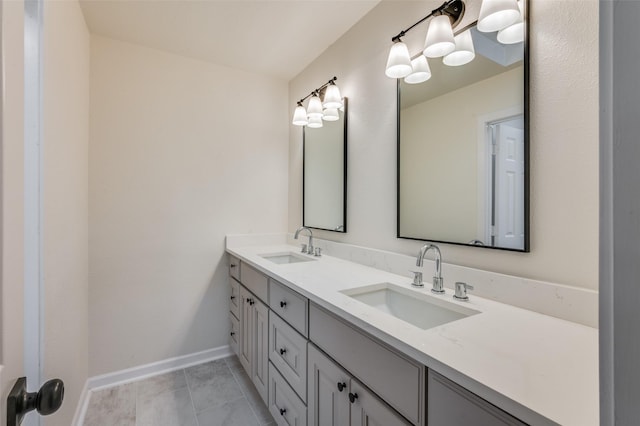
(461, 291)
(303, 248)
(417, 279)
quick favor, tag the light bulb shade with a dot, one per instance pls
(315, 122)
(514, 33)
(497, 14)
(421, 71)
(331, 114)
(464, 52)
(300, 116)
(399, 61)
(314, 109)
(439, 41)
(332, 97)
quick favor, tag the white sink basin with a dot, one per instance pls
(422, 310)
(286, 257)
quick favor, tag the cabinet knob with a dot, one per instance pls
(232, 266)
(233, 333)
(341, 386)
(283, 351)
(283, 411)
(283, 304)
(232, 297)
(353, 397)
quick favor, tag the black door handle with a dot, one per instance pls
(46, 401)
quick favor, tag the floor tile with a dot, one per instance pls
(236, 413)
(114, 406)
(164, 382)
(212, 384)
(246, 385)
(169, 408)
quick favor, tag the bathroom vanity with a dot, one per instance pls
(331, 342)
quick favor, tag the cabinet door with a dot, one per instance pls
(450, 404)
(245, 342)
(368, 410)
(260, 344)
(328, 400)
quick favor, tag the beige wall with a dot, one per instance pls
(65, 143)
(12, 213)
(182, 152)
(564, 141)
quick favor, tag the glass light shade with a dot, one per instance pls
(497, 14)
(332, 97)
(315, 122)
(331, 114)
(464, 52)
(399, 61)
(421, 71)
(439, 41)
(314, 109)
(300, 116)
(513, 33)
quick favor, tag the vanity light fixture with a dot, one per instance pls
(438, 42)
(456, 49)
(317, 109)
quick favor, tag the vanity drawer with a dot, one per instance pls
(234, 267)
(284, 405)
(234, 334)
(254, 281)
(288, 353)
(291, 306)
(396, 379)
(234, 299)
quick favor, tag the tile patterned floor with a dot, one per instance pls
(217, 393)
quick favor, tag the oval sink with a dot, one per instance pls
(421, 310)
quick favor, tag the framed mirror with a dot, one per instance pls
(463, 150)
(324, 188)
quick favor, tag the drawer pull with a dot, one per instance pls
(232, 265)
(233, 333)
(250, 302)
(232, 297)
(283, 411)
(353, 397)
(283, 351)
(283, 304)
(341, 386)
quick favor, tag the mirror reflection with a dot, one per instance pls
(324, 174)
(462, 150)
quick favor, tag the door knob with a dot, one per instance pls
(46, 401)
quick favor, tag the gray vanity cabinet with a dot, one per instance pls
(396, 378)
(337, 399)
(254, 340)
(450, 404)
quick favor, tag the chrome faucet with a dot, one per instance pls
(437, 279)
(309, 247)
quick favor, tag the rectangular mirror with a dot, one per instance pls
(324, 189)
(463, 150)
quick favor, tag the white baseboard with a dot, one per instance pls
(116, 378)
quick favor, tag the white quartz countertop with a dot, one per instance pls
(540, 369)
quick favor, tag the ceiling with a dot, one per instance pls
(275, 38)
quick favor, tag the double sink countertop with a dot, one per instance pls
(541, 369)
